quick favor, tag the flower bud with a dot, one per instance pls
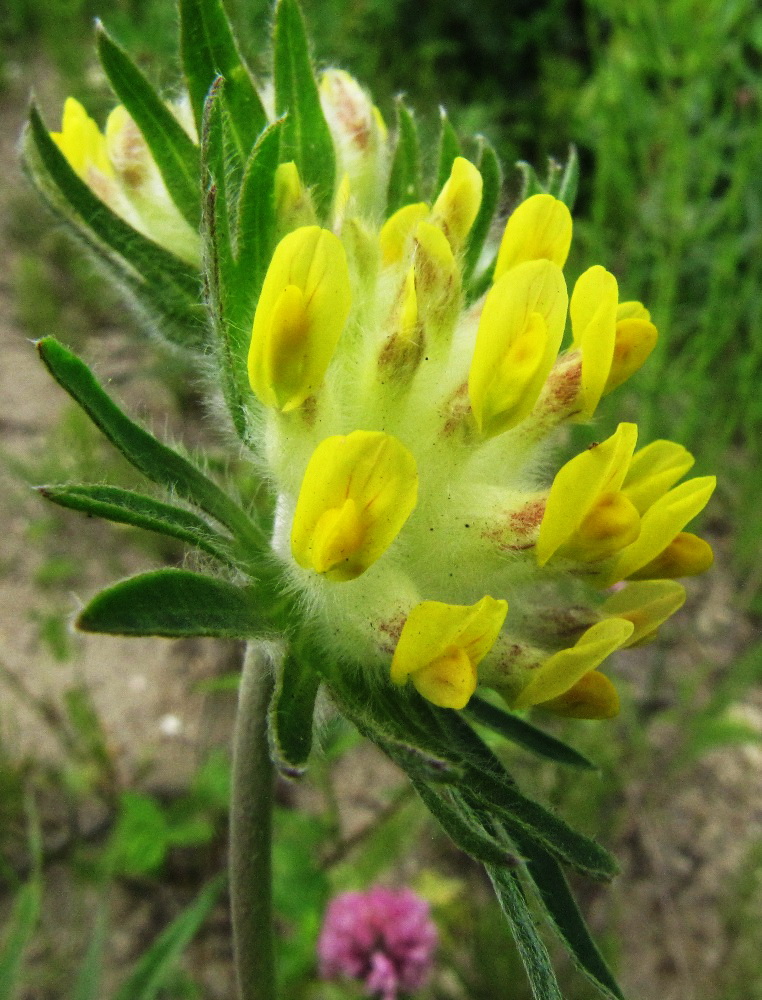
(686, 555)
(592, 697)
(539, 229)
(293, 205)
(646, 604)
(593, 309)
(441, 646)
(396, 237)
(457, 206)
(356, 494)
(300, 315)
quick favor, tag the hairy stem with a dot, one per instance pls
(251, 832)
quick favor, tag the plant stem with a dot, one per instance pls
(251, 832)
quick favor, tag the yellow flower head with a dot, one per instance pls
(356, 494)
(457, 206)
(300, 315)
(441, 645)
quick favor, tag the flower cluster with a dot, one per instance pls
(406, 429)
(383, 937)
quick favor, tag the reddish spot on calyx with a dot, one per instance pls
(565, 384)
(392, 629)
(527, 518)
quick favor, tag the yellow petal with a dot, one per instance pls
(686, 555)
(635, 339)
(632, 310)
(397, 231)
(300, 315)
(593, 310)
(458, 203)
(539, 229)
(592, 697)
(579, 484)
(441, 645)
(612, 523)
(519, 334)
(660, 524)
(653, 470)
(81, 141)
(646, 604)
(562, 670)
(358, 490)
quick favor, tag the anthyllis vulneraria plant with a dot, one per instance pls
(398, 380)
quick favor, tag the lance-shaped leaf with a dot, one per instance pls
(526, 735)
(163, 285)
(564, 914)
(175, 603)
(457, 822)
(292, 711)
(155, 460)
(517, 812)
(126, 507)
(306, 138)
(449, 149)
(562, 180)
(533, 952)
(255, 233)
(492, 179)
(405, 176)
(209, 50)
(174, 151)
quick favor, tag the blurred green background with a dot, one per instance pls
(663, 101)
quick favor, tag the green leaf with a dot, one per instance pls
(533, 952)
(174, 603)
(255, 234)
(306, 138)
(292, 710)
(405, 177)
(175, 153)
(21, 925)
(492, 180)
(525, 734)
(165, 286)
(140, 511)
(517, 812)
(209, 50)
(456, 821)
(449, 149)
(159, 463)
(562, 180)
(153, 968)
(562, 909)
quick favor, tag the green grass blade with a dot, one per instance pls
(517, 730)
(21, 926)
(449, 149)
(88, 982)
(152, 969)
(306, 138)
(175, 153)
(173, 603)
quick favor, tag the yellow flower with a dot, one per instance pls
(81, 141)
(539, 229)
(458, 203)
(441, 645)
(357, 492)
(300, 315)
(593, 310)
(608, 504)
(563, 670)
(634, 340)
(519, 334)
(647, 605)
(397, 232)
